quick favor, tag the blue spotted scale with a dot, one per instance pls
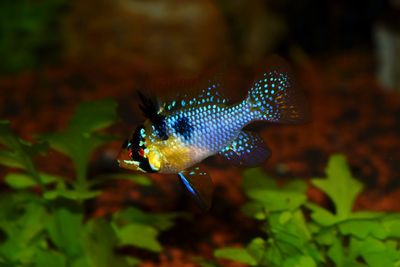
(178, 135)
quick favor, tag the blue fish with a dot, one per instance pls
(178, 135)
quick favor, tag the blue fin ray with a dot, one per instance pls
(199, 184)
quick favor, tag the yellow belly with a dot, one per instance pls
(173, 156)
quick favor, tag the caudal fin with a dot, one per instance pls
(273, 99)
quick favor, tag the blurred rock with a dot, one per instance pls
(256, 29)
(153, 37)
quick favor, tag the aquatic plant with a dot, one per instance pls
(303, 234)
(43, 220)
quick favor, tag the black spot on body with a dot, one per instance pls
(183, 127)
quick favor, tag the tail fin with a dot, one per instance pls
(273, 99)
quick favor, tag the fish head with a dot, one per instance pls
(135, 155)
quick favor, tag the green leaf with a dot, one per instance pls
(71, 194)
(293, 235)
(10, 159)
(300, 261)
(93, 116)
(19, 153)
(340, 186)
(321, 216)
(100, 241)
(326, 236)
(50, 258)
(254, 210)
(139, 235)
(21, 222)
(22, 181)
(80, 139)
(160, 221)
(336, 253)
(236, 254)
(256, 178)
(76, 145)
(256, 248)
(275, 200)
(136, 178)
(363, 228)
(391, 224)
(376, 253)
(132, 261)
(65, 230)
(296, 186)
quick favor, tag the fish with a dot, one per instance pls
(179, 134)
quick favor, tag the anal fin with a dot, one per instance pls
(199, 184)
(247, 150)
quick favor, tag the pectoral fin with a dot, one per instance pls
(199, 185)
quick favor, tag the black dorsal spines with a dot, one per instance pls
(150, 108)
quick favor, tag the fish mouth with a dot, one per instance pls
(124, 161)
(142, 164)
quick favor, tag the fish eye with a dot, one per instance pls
(141, 152)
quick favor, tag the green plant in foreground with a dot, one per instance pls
(302, 234)
(42, 218)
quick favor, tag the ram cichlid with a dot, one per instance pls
(178, 135)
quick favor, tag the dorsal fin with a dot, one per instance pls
(149, 106)
(209, 95)
(151, 110)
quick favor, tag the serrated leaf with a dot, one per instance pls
(362, 228)
(275, 200)
(376, 253)
(139, 235)
(236, 254)
(339, 185)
